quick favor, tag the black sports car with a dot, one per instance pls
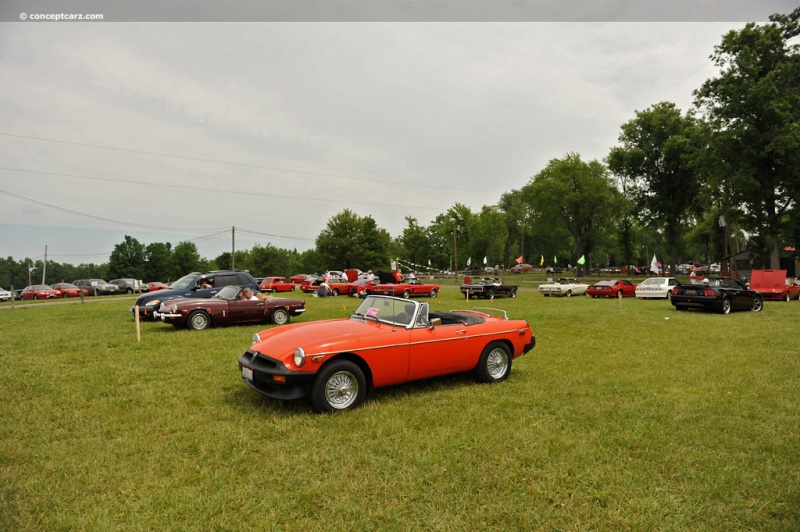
(720, 294)
(488, 289)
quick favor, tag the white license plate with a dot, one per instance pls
(247, 373)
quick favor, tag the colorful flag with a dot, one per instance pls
(469, 261)
(541, 262)
(484, 260)
(582, 260)
(655, 266)
(555, 259)
(518, 260)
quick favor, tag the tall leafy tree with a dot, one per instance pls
(658, 160)
(754, 105)
(576, 195)
(157, 265)
(127, 259)
(350, 241)
(185, 259)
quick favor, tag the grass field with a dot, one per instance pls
(626, 415)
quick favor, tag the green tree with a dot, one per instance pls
(158, 262)
(575, 195)
(658, 161)
(185, 259)
(127, 259)
(350, 241)
(754, 106)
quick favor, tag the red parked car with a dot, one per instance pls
(337, 285)
(39, 291)
(68, 290)
(155, 285)
(612, 288)
(299, 278)
(404, 290)
(773, 284)
(386, 341)
(276, 284)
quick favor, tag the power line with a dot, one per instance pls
(232, 163)
(216, 190)
(100, 218)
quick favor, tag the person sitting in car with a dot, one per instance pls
(248, 295)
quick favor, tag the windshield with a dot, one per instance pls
(606, 283)
(184, 282)
(390, 310)
(228, 293)
(654, 280)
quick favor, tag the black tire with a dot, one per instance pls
(568, 294)
(129, 290)
(669, 295)
(434, 293)
(35, 297)
(339, 386)
(513, 293)
(64, 295)
(726, 305)
(335, 292)
(406, 294)
(787, 297)
(198, 320)
(494, 364)
(758, 304)
(279, 316)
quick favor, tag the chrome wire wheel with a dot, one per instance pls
(497, 363)
(341, 390)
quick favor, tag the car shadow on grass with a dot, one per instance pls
(248, 401)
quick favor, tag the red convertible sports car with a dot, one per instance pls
(276, 284)
(612, 288)
(773, 284)
(387, 340)
(225, 308)
(404, 289)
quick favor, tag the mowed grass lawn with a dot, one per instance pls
(626, 415)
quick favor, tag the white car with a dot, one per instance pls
(5, 295)
(565, 287)
(656, 288)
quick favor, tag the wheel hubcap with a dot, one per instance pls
(497, 363)
(341, 390)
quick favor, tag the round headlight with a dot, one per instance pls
(152, 303)
(299, 357)
(256, 338)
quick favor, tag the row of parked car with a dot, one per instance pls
(89, 287)
(712, 293)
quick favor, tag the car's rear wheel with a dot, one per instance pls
(198, 320)
(335, 292)
(494, 364)
(339, 386)
(280, 316)
(568, 294)
(406, 294)
(513, 293)
(758, 304)
(726, 305)
(434, 293)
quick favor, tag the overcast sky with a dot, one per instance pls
(171, 132)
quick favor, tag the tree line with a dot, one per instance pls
(685, 185)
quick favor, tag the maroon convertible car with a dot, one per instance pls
(225, 308)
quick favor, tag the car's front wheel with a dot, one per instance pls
(568, 294)
(494, 364)
(335, 292)
(787, 297)
(339, 386)
(280, 316)
(758, 304)
(198, 320)
(406, 294)
(434, 293)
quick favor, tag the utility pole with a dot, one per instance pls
(233, 247)
(44, 268)
(455, 249)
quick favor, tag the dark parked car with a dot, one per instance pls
(227, 308)
(97, 287)
(720, 294)
(488, 289)
(130, 286)
(194, 285)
